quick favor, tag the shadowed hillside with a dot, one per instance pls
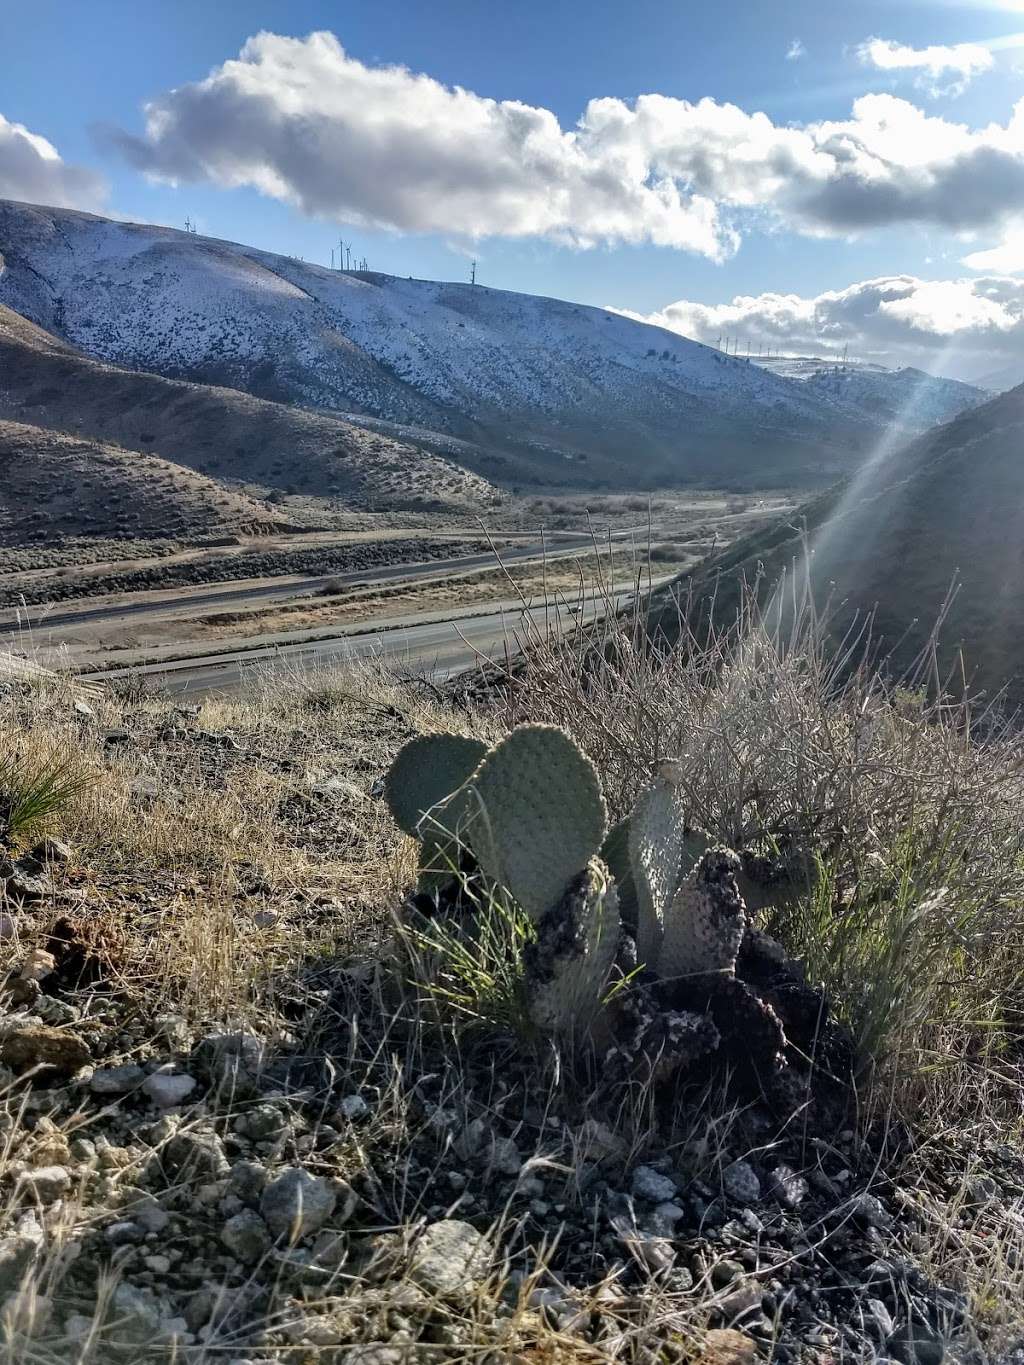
(948, 507)
(53, 485)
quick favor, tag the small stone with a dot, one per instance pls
(726, 1272)
(869, 1210)
(45, 1184)
(159, 1265)
(354, 1107)
(21, 886)
(8, 929)
(264, 1123)
(123, 1233)
(167, 1090)
(296, 1204)
(39, 1045)
(116, 1080)
(18, 1255)
(651, 1184)
(246, 1236)
(38, 965)
(151, 1217)
(83, 709)
(248, 1180)
(740, 1182)
(196, 1154)
(450, 1257)
(505, 1157)
(788, 1188)
(726, 1346)
(51, 850)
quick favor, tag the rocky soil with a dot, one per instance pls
(319, 1167)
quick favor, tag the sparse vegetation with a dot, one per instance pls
(234, 873)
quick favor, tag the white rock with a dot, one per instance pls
(354, 1107)
(166, 1089)
(450, 1257)
(788, 1188)
(45, 1184)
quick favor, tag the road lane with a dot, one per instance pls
(441, 647)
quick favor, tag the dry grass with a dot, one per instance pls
(903, 808)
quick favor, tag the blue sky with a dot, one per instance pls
(79, 76)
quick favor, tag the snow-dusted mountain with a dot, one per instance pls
(555, 391)
(909, 397)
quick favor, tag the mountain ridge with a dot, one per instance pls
(557, 392)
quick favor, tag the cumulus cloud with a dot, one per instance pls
(31, 169)
(795, 51)
(302, 121)
(967, 325)
(1005, 259)
(939, 70)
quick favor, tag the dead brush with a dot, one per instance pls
(901, 801)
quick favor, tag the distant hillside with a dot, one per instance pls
(220, 432)
(559, 392)
(52, 486)
(947, 506)
(908, 397)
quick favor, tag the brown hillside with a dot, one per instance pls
(52, 485)
(220, 432)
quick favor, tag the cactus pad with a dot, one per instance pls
(425, 771)
(705, 925)
(535, 815)
(655, 848)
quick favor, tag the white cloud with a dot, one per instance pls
(795, 51)
(961, 62)
(302, 121)
(1005, 259)
(31, 169)
(968, 325)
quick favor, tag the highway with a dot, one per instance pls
(440, 647)
(202, 597)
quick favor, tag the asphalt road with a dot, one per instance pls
(440, 647)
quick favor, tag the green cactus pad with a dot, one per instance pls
(705, 925)
(615, 852)
(425, 771)
(568, 967)
(535, 815)
(655, 849)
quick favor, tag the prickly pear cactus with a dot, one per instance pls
(705, 925)
(567, 967)
(655, 848)
(534, 815)
(425, 771)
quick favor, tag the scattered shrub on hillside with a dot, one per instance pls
(34, 789)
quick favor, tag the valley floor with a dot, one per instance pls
(129, 608)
